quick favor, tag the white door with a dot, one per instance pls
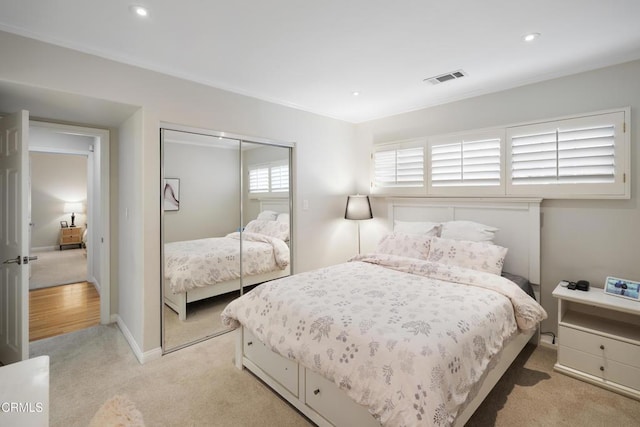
(14, 238)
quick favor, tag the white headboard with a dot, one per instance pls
(518, 221)
(277, 205)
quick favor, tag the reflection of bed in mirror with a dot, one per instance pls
(410, 337)
(204, 268)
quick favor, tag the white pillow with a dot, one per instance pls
(410, 245)
(279, 230)
(467, 230)
(268, 215)
(283, 217)
(417, 227)
(480, 256)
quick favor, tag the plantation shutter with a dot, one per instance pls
(571, 153)
(259, 180)
(402, 167)
(584, 157)
(280, 178)
(466, 163)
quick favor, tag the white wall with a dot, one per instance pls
(43, 139)
(131, 256)
(580, 239)
(55, 180)
(322, 236)
(209, 191)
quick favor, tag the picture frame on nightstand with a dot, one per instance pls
(64, 224)
(622, 288)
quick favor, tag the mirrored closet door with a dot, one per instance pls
(225, 210)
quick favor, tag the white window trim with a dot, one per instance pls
(620, 189)
(270, 193)
(400, 191)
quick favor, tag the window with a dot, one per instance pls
(280, 178)
(466, 162)
(584, 156)
(268, 178)
(259, 180)
(399, 166)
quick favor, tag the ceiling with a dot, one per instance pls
(314, 55)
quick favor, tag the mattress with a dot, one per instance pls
(204, 262)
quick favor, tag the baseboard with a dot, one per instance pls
(153, 354)
(549, 342)
(142, 357)
(45, 248)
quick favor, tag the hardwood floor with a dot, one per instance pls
(62, 309)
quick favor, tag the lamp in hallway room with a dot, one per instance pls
(73, 208)
(358, 208)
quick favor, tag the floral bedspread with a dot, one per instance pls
(399, 335)
(198, 263)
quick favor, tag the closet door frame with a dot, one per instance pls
(242, 139)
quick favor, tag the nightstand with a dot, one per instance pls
(70, 236)
(599, 339)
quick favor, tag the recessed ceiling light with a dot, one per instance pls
(139, 10)
(530, 37)
(355, 93)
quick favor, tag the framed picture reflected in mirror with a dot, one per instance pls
(171, 194)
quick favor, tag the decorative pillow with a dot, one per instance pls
(467, 230)
(279, 230)
(409, 245)
(268, 215)
(481, 256)
(417, 227)
(283, 217)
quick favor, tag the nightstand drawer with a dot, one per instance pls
(69, 239)
(71, 232)
(607, 370)
(600, 346)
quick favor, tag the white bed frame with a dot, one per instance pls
(321, 400)
(178, 302)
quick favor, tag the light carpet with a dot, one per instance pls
(53, 268)
(203, 319)
(199, 386)
(118, 411)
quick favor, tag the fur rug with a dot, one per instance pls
(118, 411)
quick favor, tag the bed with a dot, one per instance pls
(204, 268)
(402, 333)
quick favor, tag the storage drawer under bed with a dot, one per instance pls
(327, 399)
(281, 369)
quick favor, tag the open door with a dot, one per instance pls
(14, 238)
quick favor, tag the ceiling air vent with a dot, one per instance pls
(445, 77)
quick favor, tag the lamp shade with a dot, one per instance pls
(74, 207)
(358, 207)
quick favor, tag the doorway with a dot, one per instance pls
(61, 299)
(69, 218)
